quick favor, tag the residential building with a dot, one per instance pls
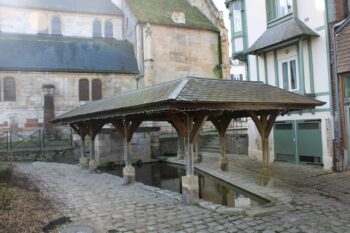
(339, 38)
(285, 43)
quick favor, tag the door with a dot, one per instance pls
(298, 141)
(347, 128)
(309, 142)
(284, 140)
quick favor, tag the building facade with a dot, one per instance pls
(74, 52)
(339, 32)
(286, 45)
(68, 52)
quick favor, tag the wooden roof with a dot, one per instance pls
(191, 94)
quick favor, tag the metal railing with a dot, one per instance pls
(11, 141)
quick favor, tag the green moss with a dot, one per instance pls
(160, 11)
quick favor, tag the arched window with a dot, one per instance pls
(96, 28)
(96, 89)
(9, 89)
(108, 29)
(84, 90)
(56, 26)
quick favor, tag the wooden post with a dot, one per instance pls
(190, 131)
(221, 124)
(264, 124)
(127, 129)
(81, 129)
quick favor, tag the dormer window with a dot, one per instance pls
(278, 8)
(284, 7)
(178, 17)
(56, 26)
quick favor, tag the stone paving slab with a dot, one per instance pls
(102, 200)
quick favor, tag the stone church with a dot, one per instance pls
(59, 54)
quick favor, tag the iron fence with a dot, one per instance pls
(11, 141)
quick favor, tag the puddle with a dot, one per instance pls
(168, 176)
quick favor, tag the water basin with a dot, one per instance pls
(168, 176)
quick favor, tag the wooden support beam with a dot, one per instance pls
(264, 124)
(132, 129)
(197, 127)
(180, 126)
(118, 124)
(221, 124)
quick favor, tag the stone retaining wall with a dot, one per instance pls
(64, 156)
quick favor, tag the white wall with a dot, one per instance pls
(32, 21)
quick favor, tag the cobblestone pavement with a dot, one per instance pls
(320, 200)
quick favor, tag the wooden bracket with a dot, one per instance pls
(221, 124)
(177, 123)
(126, 129)
(200, 121)
(95, 128)
(264, 124)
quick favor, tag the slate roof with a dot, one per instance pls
(105, 7)
(66, 54)
(160, 11)
(288, 30)
(189, 90)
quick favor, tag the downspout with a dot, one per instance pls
(142, 65)
(338, 157)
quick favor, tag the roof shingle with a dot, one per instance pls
(160, 11)
(283, 32)
(191, 90)
(66, 54)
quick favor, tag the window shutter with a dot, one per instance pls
(84, 90)
(96, 89)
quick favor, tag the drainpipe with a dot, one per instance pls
(338, 157)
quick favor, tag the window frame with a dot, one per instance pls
(234, 13)
(56, 29)
(84, 92)
(96, 94)
(9, 96)
(108, 29)
(281, 73)
(97, 28)
(272, 12)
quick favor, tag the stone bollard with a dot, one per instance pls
(128, 174)
(190, 190)
(224, 163)
(93, 165)
(84, 163)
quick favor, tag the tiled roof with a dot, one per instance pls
(68, 54)
(190, 90)
(288, 30)
(81, 6)
(160, 11)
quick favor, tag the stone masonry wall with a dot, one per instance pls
(27, 110)
(173, 53)
(109, 147)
